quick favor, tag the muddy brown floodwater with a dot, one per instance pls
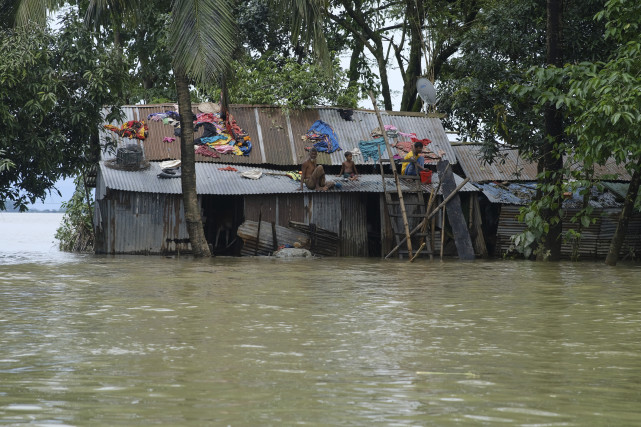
(95, 340)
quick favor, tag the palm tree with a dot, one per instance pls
(202, 40)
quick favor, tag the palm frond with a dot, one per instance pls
(31, 11)
(306, 20)
(100, 12)
(202, 37)
(26, 12)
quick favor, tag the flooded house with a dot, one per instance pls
(139, 208)
(509, 183)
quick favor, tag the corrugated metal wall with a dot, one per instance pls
(595, 240)
(353, 225)
(142, 223)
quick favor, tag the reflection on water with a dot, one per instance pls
(91, 340)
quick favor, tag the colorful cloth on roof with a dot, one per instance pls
(323, 137)
(370, 149)
(423, 141)
(133, 129)
(203, 150)
(225, 149)
(215, 140)
(296, 176)
(232, 134)
(158, 117)
(228, 168)
(407, 135)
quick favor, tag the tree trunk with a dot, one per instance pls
(552, 155)
(193, 219)
(624, 217)
(353, 73)
(382, 70)
(415, 13)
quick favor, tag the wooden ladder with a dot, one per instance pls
(391, 201)
(403, 210)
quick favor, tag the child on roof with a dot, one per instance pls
(348, 168)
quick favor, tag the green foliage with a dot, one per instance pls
(75, 234)
(508, 39)
(276, 80)
(53, 88)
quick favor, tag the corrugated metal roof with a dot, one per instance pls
(211, 180)
(276, 133)
(522, 193)
(512, 167)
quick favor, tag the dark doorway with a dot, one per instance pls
(222, 215)
(373, 225)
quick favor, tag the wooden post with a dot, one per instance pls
(442, 232)
(396, 178)
(455, 214)
(260, 214)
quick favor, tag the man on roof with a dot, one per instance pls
(313, 175)
(412, 168)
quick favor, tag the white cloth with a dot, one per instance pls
(252, 174)
(167, 164)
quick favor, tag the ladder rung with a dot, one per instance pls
(415, 177)
(406, 203)
(409, 215)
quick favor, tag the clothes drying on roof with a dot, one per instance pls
(228, 168)
(225, 149)
(209, 131)
(133, 129)
(406, 147)
(203, 150)
(214, 140)
(372, 148)
(252, 174)
(423, 141)
(322, 137)
(170, 164)
(159, 117)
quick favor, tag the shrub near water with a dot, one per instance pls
(76, 231)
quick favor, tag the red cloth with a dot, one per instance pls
(228, 168)
(424, 141)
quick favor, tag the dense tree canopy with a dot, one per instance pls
(53, 89)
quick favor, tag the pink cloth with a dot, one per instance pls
(224, 149)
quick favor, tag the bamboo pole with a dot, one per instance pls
(418, 227)
(396, 178)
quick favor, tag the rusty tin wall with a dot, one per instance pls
(595, 240)
(141, 223)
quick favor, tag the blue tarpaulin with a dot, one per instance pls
(323, 136)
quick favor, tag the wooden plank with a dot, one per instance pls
(455, 213)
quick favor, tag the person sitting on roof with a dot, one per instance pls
(348, 169)
(412, 168)
(313, 175)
